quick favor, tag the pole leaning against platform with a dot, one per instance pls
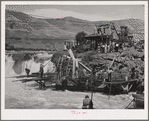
(74, 62)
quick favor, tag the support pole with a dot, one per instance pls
(85, 67)
(91, 105)
(110, 91)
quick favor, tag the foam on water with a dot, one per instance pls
(9, 62)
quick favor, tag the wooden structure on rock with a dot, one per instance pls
(106, 34)
(72, 76)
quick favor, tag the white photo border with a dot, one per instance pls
(59, 114)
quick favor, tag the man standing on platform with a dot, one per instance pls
(27, 71)
(41, 71)
(109, 74)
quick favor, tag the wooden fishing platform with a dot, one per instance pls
(34, 75)
(48, 77)
(124, 86)
(40, 81)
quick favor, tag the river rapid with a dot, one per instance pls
(16, 63)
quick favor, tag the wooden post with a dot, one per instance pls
(60, 73)
(110, 91)
(112, 62)
(92, 95)
(91, 103)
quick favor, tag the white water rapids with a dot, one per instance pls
(28, 96)
(14, 68)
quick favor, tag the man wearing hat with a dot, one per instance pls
(87, 103)
(41, 71)
(27, 71)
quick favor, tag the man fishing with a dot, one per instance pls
(41, 70)
(87, 103)
(27, 71)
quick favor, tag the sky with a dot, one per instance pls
(85, 12)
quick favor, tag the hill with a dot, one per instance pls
(26, 32)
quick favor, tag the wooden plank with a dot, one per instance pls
(121, 82)
(85, 67)
(35, 75)
(22, 76)
(37, 79)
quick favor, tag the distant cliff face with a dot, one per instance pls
(26, 32)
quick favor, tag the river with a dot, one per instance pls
(28, 95)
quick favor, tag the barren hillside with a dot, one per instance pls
(26, 32)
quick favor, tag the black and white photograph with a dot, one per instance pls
(76, 59)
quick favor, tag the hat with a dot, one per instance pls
(86, 96)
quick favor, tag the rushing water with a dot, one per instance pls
(28, 96)
(15, 64)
